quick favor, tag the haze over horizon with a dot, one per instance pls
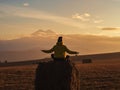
(45, 39)
(29, 47)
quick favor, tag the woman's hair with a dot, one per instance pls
(59, 39)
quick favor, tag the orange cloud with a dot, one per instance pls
(86, 17)
(83, 17)
(110, 28)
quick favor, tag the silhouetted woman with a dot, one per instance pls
(60, 51)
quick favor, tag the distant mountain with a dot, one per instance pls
(43, 33)
(30, 47)
(39, 39)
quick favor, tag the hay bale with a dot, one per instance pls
(59, 75)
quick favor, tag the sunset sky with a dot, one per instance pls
(19, 18)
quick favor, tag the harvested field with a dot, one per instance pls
(93, 76)
(99, 76)
(17, 78)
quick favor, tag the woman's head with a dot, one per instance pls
(60, 39)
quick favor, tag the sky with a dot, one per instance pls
(19, 18)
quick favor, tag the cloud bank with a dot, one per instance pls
(40, 15)
(87, 17)
(83, 17)
(110, 28)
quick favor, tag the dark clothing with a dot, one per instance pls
(60, 59)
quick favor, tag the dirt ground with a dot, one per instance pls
(94, 76)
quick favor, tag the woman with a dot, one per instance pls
(60, 51)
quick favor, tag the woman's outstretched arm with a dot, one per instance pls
(48, 51)
(70, 51)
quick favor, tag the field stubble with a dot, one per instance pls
(93, 76)
(99, 76)
(17, 77)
